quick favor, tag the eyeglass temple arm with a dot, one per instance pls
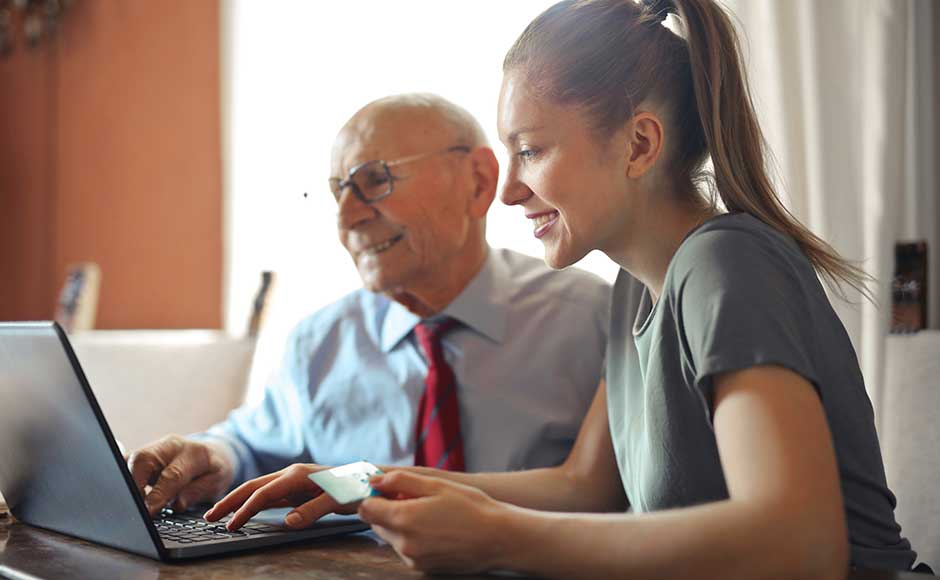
(409, 159)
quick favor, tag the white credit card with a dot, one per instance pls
(347, 483)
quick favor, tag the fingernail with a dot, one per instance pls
(377, 479)
(292, 519)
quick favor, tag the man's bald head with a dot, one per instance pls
(424, 117)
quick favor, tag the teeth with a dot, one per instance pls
(543, 219)
(379, 248)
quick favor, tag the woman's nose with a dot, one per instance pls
(514, 191)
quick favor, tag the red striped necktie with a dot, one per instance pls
(437, 431)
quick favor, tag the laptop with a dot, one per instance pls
(61, 470)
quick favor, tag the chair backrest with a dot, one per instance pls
(259, 307)
(909, 430)
(78, 300)
(150, 383)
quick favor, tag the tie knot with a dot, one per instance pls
(429, 333)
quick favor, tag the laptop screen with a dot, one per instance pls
(60, 467)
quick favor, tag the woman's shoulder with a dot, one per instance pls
(738, 243)
(738, 232)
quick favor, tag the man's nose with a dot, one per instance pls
(351, 211)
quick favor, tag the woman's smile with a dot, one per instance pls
(543, 221)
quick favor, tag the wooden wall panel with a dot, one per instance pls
(25, 186)
(135, 160)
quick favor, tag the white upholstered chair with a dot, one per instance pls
(909, 429)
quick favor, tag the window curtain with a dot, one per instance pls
(845, 92)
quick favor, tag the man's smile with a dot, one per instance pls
(383, 246)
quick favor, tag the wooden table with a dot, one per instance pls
(27, 553)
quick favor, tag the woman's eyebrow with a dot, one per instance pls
(514, 136)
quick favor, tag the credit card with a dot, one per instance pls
(347, 483)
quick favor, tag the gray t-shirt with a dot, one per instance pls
(737, 294)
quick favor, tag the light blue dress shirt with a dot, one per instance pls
(528, 355)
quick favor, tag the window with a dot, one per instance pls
(294, 72)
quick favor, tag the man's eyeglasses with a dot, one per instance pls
(373, 180)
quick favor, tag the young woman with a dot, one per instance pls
(733, 422)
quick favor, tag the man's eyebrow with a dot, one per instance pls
(514, 136)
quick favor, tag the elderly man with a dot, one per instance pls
(453, 355)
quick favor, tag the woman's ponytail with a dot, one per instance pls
(734, 140)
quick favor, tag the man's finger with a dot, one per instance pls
(237, 497)
(173, 478)
(147, 463)
(200, 489)
(145, 467)
(406, 485)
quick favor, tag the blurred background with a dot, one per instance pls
(169, 146)
(155, 156)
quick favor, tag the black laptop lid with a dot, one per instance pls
(60, 468)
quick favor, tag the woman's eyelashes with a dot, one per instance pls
(527, 154)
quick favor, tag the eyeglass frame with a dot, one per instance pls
(342, 184)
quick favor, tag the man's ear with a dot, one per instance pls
(485, 172)
(644, 143)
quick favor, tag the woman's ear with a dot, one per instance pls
(485, 172)
(644, 143)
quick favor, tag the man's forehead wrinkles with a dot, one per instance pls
(357, 148)
(385, 143)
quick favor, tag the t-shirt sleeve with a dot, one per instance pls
(741, 301)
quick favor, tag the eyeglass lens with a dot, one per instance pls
(372, 181)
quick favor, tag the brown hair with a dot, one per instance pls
(607, 56)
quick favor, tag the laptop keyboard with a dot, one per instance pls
(189, 529)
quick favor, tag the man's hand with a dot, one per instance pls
(180, 469)
(287, 487)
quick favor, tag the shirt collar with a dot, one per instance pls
(481, 306)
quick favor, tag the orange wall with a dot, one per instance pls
(121, 164)
(25, 150)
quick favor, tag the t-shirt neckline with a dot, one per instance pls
(647, 309)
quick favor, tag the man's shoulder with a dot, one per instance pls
(531, 277)
(360, 308)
